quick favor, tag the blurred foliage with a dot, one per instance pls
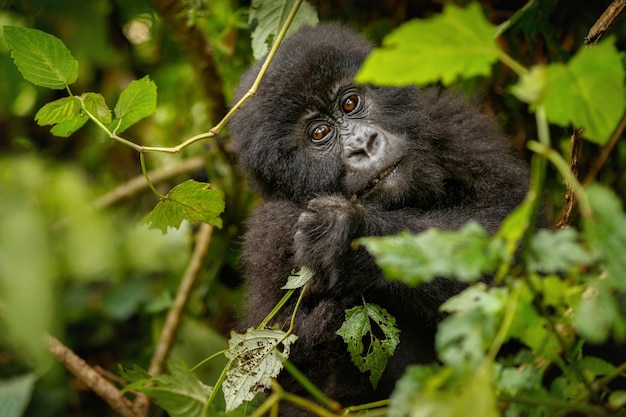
(100, 280)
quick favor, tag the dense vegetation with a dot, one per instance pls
(120, 212)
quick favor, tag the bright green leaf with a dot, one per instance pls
(466, 254)
(358, 325)
(593, 83)
(270, 15)
(57, 111)
(179, 392)
(41, 58)
(136, 102)
(255, 358)
(192, 201)
(458, 43)
(97, 107)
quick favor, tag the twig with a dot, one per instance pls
(139, 183)
(604, 23)
(570, 198)
(104, 389)
(173, 319)
(604, 154)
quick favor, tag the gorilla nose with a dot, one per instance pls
(363, 146)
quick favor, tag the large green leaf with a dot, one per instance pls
(587, 92)
(41, 58)
(15, 394)
(457, 43)
(466, 254)
(192, 201)
(65, 114)
(270, 16)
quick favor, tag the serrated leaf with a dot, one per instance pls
(593, 82)
(192, 201)
(463, 337)
(357, 326)
(255, 358)
(97, 107)
(556, 251)
(466, 254)
(458, 43)
(136, 102)
(65, 113)
(57, 111)
(270, 16)
(180, 392)
(298, 279)
(42, 59)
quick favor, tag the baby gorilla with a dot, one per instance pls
(336, 161)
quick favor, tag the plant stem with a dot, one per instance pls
(310, 387)
(586, 409)
(144, 170)
(276, 309)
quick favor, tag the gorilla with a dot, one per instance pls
(335, 161)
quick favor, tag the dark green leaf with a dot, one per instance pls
(372, 356)
(180, 392)
(137, 101)
(466, 254)
(41, 58)
(270, 16)
(457, 43)
(192, 201)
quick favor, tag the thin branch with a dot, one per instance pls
(175, 313)
(104, 389)
(604, 154)
(604, 23)
(570, 198)
(138, 184)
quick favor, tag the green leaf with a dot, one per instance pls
(605, 233)
(298, 279)
(459, 43)
(598, 315)
(445, 392)
(97, 107)
(556, 251)
(41, 58)
(255, 358)
(180, 392)
(358, 326)
(192, 201)
(463, 337)
(466, 254)
(593, 82)
(57, 111)
(15, 394)
(136, 102)
(269, 17)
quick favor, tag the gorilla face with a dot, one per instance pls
(319, 133)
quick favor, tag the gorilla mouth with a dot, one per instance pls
(378, 178)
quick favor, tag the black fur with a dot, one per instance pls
(455, 167)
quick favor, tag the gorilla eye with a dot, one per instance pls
(320, 132)
(350, 103)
